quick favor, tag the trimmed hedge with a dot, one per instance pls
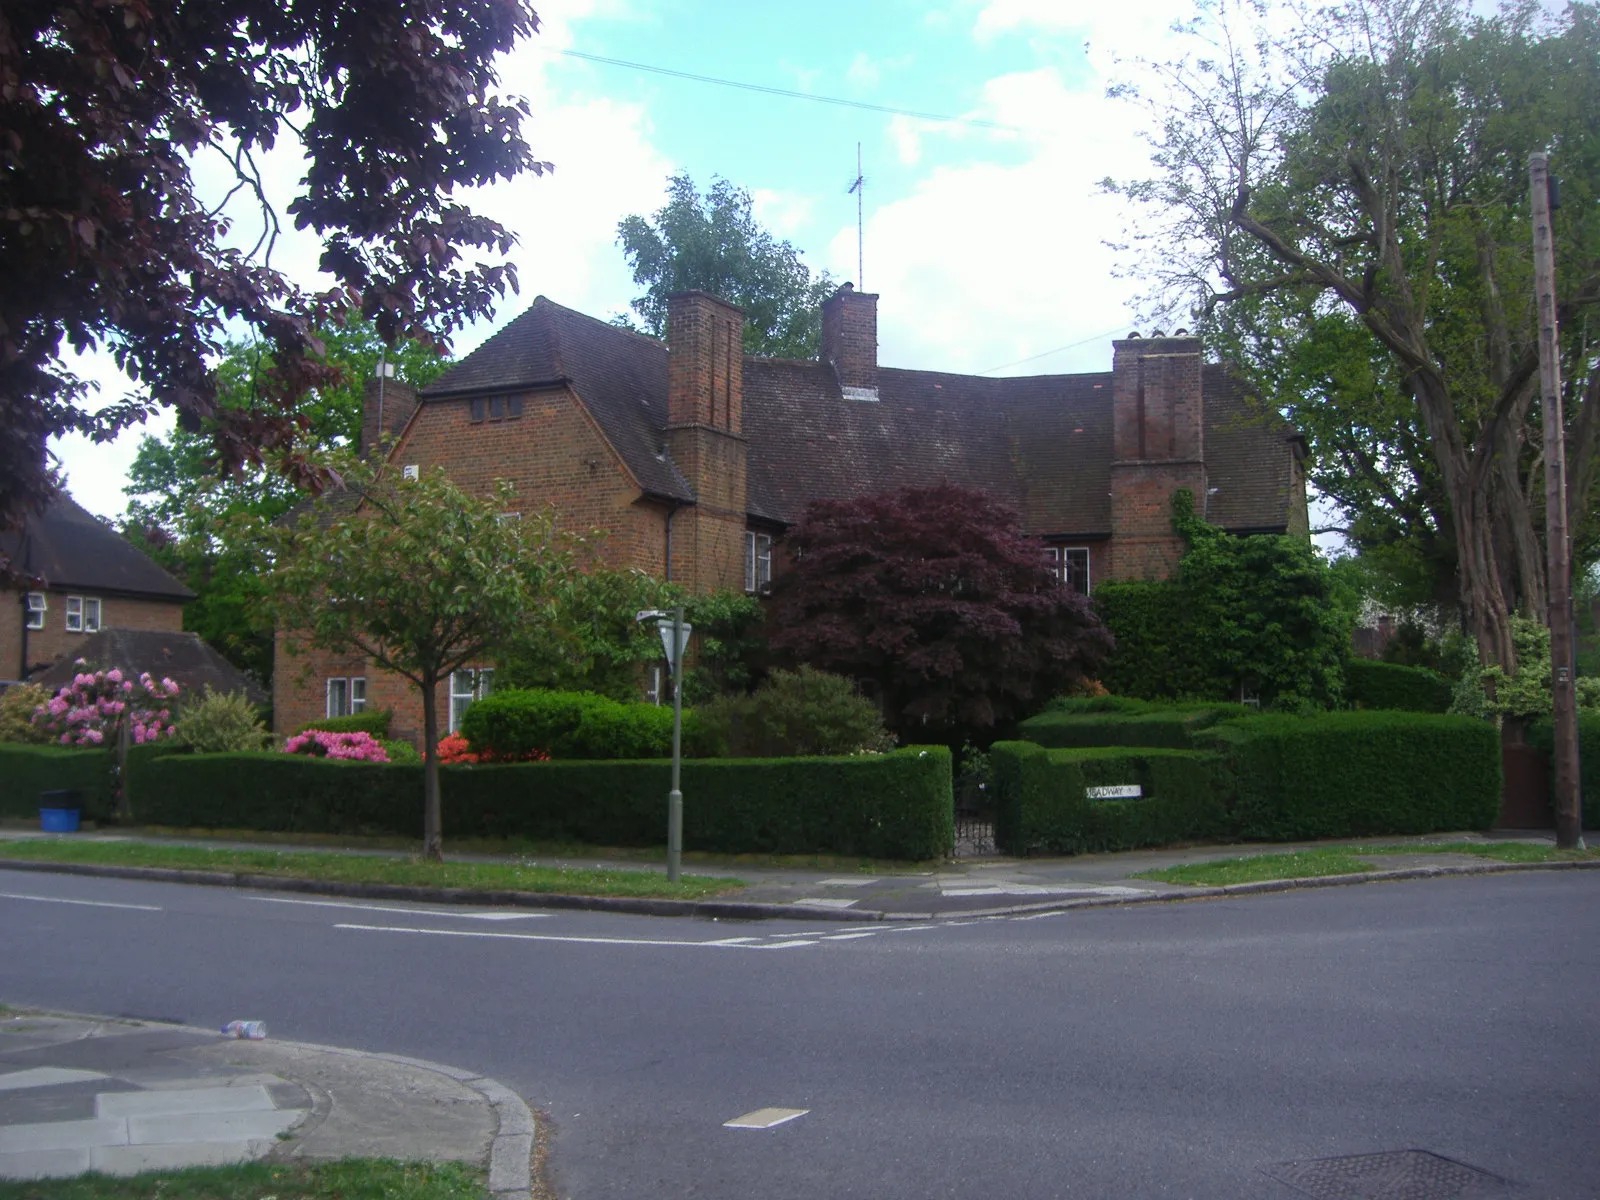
(1542, 737)
(1370, 684)
(25, 771)
(1044, 806)
(1090, 722)
(1355, 774)
(896, 805)
(371, 720)
(567, 725)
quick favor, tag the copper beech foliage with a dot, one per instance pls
(108, 111)
(937, 599)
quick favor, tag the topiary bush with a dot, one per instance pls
(1044, 807)
(220, 723)
(1371, 684)
(795, 713)
(372, 720)
(516, 722)
(1121, 721)
(1354, 774)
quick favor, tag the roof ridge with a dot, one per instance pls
(609, 326)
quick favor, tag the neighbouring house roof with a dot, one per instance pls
(182, 657)
(1041, 444)
(70, 548)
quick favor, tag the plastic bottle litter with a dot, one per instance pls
(250, 1030)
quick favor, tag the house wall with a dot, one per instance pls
(54, 641)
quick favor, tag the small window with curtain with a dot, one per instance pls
(338, 698)
(358, 694)
(757, 562)
(37, 607)
(74, 614)
(1070, 564)
(91, 614)
(466, 685)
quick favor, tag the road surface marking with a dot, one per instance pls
(855, 882)
(801, 933)
(415, 912)
(846, 937)
(90, 903)
(765, 1118)
(823, 903)
(734, 941)
(554, 937)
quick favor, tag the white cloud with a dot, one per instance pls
(986, 261)
(863, 71)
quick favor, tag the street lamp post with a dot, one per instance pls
(674, 632)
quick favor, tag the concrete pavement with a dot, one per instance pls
(81, 1093)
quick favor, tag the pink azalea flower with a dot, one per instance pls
(113, 676)
(65, 738)
(93, 735)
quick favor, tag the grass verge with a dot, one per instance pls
(349, 1179)
(351, 868)
(1511, 852)
(1307, 864)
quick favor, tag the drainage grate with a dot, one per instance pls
(1395, 1175)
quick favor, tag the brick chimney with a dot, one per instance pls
(387, 404)
(850, 341)
(1158, 441)
(705, 364)
(705, 402)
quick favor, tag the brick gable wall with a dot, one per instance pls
(55, 641)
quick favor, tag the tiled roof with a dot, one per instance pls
(620, 375)
(1041, 444)
(69, 547)
(181, 656)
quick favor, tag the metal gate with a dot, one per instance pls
(974, 819)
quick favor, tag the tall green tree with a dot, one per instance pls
(713, 243)
(183, 503)
(1356, 191)
(419, 577)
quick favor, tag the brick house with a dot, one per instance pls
(92, 580)
(694, 458)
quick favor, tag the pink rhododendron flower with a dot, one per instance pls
(113, 676)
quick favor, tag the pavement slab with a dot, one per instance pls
(124, 1096)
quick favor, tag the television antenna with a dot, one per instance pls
(859, 188)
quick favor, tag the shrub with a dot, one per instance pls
(90, 710)
(26, 771)
(795, 713)
(1371, 684)
(894, 805)
(1043, 803)
(453, 748)
(353, 747)
(514, 723)
(1354, 774)
(17, 706)
(401, 751)
(220, 723)
(1097, 721)
(374, 721)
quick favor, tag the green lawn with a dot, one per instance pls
(353, 868)
(1349, 860)
(350, 1179)
(1335, 860)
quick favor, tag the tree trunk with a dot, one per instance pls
(432, 818)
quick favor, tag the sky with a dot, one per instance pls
(987, 246)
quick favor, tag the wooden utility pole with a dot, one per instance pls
(1558, 551)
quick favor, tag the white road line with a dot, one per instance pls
(90, 903)
(802, 933)
(765, 1118)
(846, 937)
(415, 912)
(582, 941)
(853, 881)
(826, 903)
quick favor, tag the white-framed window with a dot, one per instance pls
(757, 561)
(466, 685)
(37, 607)
(346, 695)
(1071, 565)
(83, 614)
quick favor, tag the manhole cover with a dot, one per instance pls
(1395, 1175)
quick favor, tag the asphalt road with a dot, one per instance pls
(1172, 1050)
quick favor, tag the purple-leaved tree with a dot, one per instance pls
(937, 600)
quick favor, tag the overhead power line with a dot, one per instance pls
(793, 95)
(1047, 353)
